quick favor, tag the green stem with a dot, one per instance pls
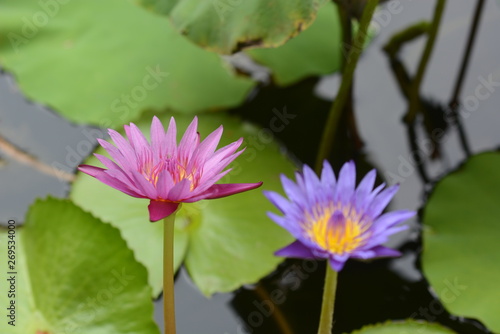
(417, 80)
(343, 93)
(328, 305)
(168, 275)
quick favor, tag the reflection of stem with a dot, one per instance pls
(419, 161)
(277, 314)
(345, 17)
(168, 274)
(454, 103)
(347, 76)
(415, 89)
(32, 161)
(328, 305)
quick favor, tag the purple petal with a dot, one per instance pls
(328, 177)
(161, 209)
(381, 201)
(293, 192)
(337, 263)
(364, 189)
(346, 183)
(392, 218)
(223, 190)
(290, 225)
(296, 250)
(312, 184)
(278, 201)
(381, 251)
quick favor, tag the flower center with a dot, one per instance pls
(177, 170)
(336, 231)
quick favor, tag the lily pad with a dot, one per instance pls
(229, 241)
(227, 26)
(313, 52)
(104, 62)
(404, 327)
(74, 273)
(461, 250)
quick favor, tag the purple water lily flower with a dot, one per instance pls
(164, 172)
(332, 219)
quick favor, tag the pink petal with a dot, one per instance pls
(206, 148)
(161, 209)
(223, 190)
(189, 141)
(157, 137)
(225, 151)
(115, 153)
(211, 171)
(108, 163)
(180, 191)
(171, 139)
(123, 146)
(144, 185)
(90, 170)
(165, 184)
(137, 138)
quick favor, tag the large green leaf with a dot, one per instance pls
(227, 26)
(74, 274)
(230, 241)
(461, 249)
(313, 52)
(103, 62)
(404, 327)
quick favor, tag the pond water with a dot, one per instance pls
(288, 300)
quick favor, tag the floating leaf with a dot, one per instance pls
(74, 274)
(230, 241)
(313, 52)
(227, 26)
(461, 249)
(404, 327)
(104, 62)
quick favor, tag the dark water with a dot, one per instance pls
(288, 301)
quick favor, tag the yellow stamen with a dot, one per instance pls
(335, 238)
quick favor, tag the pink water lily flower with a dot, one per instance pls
(165, 172)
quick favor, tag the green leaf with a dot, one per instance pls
(316, 51)
(227, 26)
(103, 62)
(409, 326)
(461, 249)
(75, 274)
(230, 241)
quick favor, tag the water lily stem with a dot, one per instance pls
(328, 305)
(352, 60)
(168, 275)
